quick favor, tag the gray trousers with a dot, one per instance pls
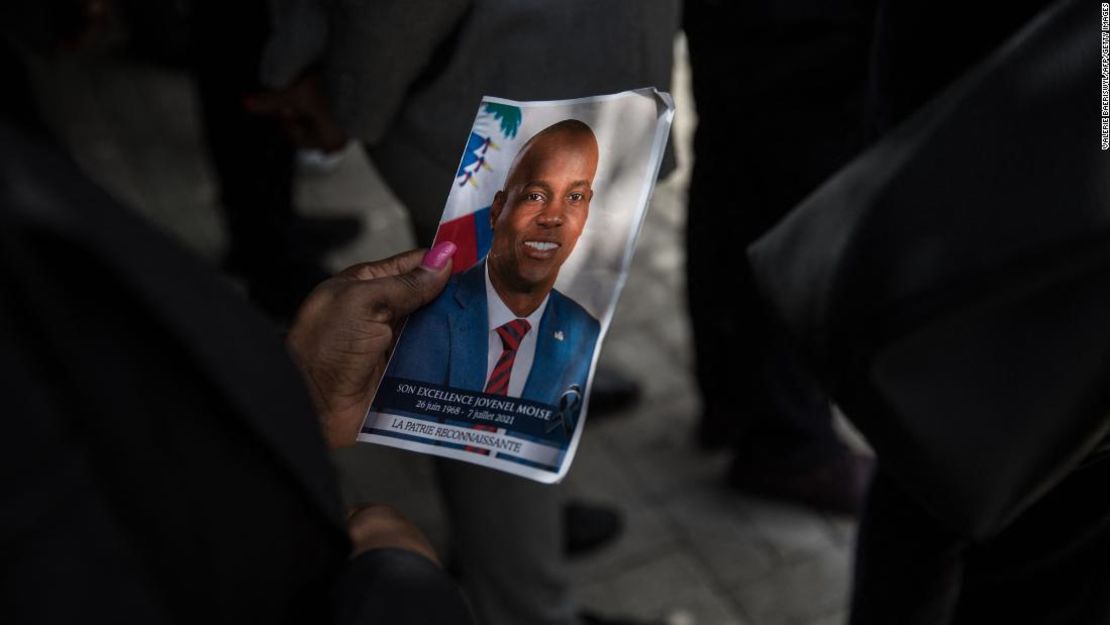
(507, 543)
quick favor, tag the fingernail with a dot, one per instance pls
(437, 257)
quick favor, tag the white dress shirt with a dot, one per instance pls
(499, 314)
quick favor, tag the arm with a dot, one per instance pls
(341, 341)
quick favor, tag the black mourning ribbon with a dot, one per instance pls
(569, 404)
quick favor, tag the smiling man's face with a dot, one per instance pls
(539, 215)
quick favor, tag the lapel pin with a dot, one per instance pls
(558, 335)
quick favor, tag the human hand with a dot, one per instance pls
(303, 113)
(378, 526)
(344, 331)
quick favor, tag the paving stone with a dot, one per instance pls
(793, 532)
(668, 209)
(799, 591)
(597, 476)
(661, 380)
(717, 529)
(672, 586)
(842, 530)
(840, 617)
(656, 447)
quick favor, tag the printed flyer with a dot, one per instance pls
(545, 209)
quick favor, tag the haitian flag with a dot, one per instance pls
(494, 141)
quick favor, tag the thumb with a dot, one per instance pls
(400, 295)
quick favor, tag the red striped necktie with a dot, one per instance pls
(511, 334)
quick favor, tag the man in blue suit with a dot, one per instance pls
(500, 327)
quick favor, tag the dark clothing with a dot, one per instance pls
(779, 89)
(921, 47)
(269, 245)
(160, 462)
(1052, 566)
(406, 77)
(251, 156)
(952, 286)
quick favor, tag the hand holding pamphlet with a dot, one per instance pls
(546, 206)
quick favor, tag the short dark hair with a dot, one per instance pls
(570, 126)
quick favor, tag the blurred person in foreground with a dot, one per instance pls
(951, 286)
(163, 461)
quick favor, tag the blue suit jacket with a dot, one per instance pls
(446, 342)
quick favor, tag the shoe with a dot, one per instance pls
(838, 486)
(587, 526)
(612, 391)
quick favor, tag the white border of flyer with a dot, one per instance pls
(545, 210)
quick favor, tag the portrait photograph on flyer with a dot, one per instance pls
(544, 211)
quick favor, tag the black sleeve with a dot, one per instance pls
(67, 558)
(147, 474)
(400, 588)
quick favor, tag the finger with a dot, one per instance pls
(392, 266)
(397, 296)
(432, 259)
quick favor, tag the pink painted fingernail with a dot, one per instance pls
(437, 257)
